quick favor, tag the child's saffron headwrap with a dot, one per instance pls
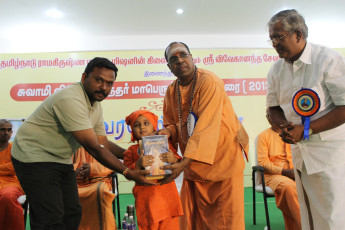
(130, 119)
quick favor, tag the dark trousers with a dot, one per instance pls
(52, 192)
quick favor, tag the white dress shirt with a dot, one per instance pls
(322, 70)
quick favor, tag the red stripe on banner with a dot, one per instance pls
(137, 89)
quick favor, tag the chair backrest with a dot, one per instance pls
(258, 180)
(115, 190)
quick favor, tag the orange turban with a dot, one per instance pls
(130, 119)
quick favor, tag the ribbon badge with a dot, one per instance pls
(191, 122)
(306, 103)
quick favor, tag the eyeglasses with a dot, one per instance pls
(276, 39)
(174, 59)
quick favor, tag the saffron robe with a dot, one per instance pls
(275, 155)
(11, 212)
(154, 204)
(217, 148)
(95, 194)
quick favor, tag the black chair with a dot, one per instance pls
(259, 186)
(115, 190)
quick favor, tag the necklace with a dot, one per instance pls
(179, 103)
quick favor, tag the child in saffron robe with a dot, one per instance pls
(157, 207)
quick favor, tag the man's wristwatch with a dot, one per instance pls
(310, 131)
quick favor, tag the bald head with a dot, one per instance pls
(4, 121)
(5, 131)
(269, 119)
(171, 44)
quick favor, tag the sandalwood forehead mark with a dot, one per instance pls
(176, 49)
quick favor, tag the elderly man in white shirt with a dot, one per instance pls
(320, 161)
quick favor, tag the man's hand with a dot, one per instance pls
(78, 172)
(83, 172)
(291, 133)
(86, 168)
(166, 131)
(287, 125)
(168, 157)
(144, 161)
(176, 170)
(289, 173)
(139, 177)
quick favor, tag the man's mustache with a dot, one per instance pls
(101, 92)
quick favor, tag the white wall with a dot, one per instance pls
(66, 43)
(33, 44)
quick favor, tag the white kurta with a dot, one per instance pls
(321, 160)
(322, 70)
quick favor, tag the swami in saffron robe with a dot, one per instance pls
(11, 212)
(275, 155)
(212, 190)
(95, 194)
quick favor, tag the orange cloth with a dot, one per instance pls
(95, 194)
(171, 223)
(130, 119)
(275, 155)
(215, 146)
(213, 210)
(218, 138)
(153, 204)
(7, 174)
(11, 212)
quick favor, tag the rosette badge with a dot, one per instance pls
(306, 103)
